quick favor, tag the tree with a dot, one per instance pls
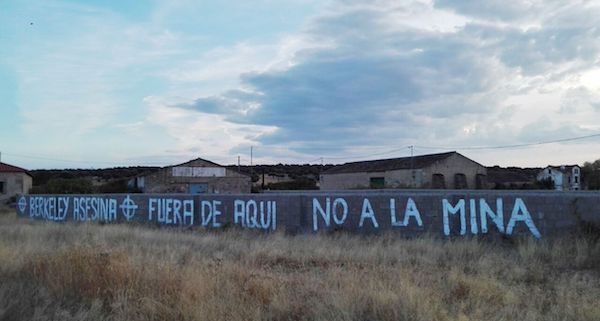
(65, 186)
(590, 174)
(546, 183)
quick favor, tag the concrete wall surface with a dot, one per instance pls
(409, 212)
(13, 184)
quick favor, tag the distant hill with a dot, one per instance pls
(114, 180)
(264, 177)
(85, 181)
(42, 176)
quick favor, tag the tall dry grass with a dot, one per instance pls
(116, 272)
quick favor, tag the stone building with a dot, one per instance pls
(446, 170)
(13, 180)
(197, 176)
(564, 178)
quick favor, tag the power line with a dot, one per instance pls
(319, 148)
(326, 157)
(322, 158)
(509, 146)
(368, 155)
(562, 140)
(335, 157)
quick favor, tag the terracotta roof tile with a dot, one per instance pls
(381, 165)
(6, 168)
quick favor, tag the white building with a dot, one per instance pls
(565, 177)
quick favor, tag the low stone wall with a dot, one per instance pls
(410, 212)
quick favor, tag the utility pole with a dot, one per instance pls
(321, 172)
(412, 171)
(251, 168)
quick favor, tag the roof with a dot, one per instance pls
(195, 160)
(563, 168)
(382, 165)
(7, 168)
(189, 162)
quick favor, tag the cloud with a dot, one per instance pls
(207, 134)
(371, 78)
(356, 78)
(580, 100)
(495, 9)
(383, 83)
(550, 38)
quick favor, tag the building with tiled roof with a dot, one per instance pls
(445, 170)
(13, 180)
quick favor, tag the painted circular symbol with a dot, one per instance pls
(22, 204)
(128, 208)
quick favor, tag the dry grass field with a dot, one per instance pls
(117, 272)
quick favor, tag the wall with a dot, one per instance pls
(14, 183)
(453, 165)
(402, 178)
(347, 180)
(409, 213)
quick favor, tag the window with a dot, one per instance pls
(576, 178)
(2, 188)
(377, 182)
(576, 171)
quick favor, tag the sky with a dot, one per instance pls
(95, 84)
